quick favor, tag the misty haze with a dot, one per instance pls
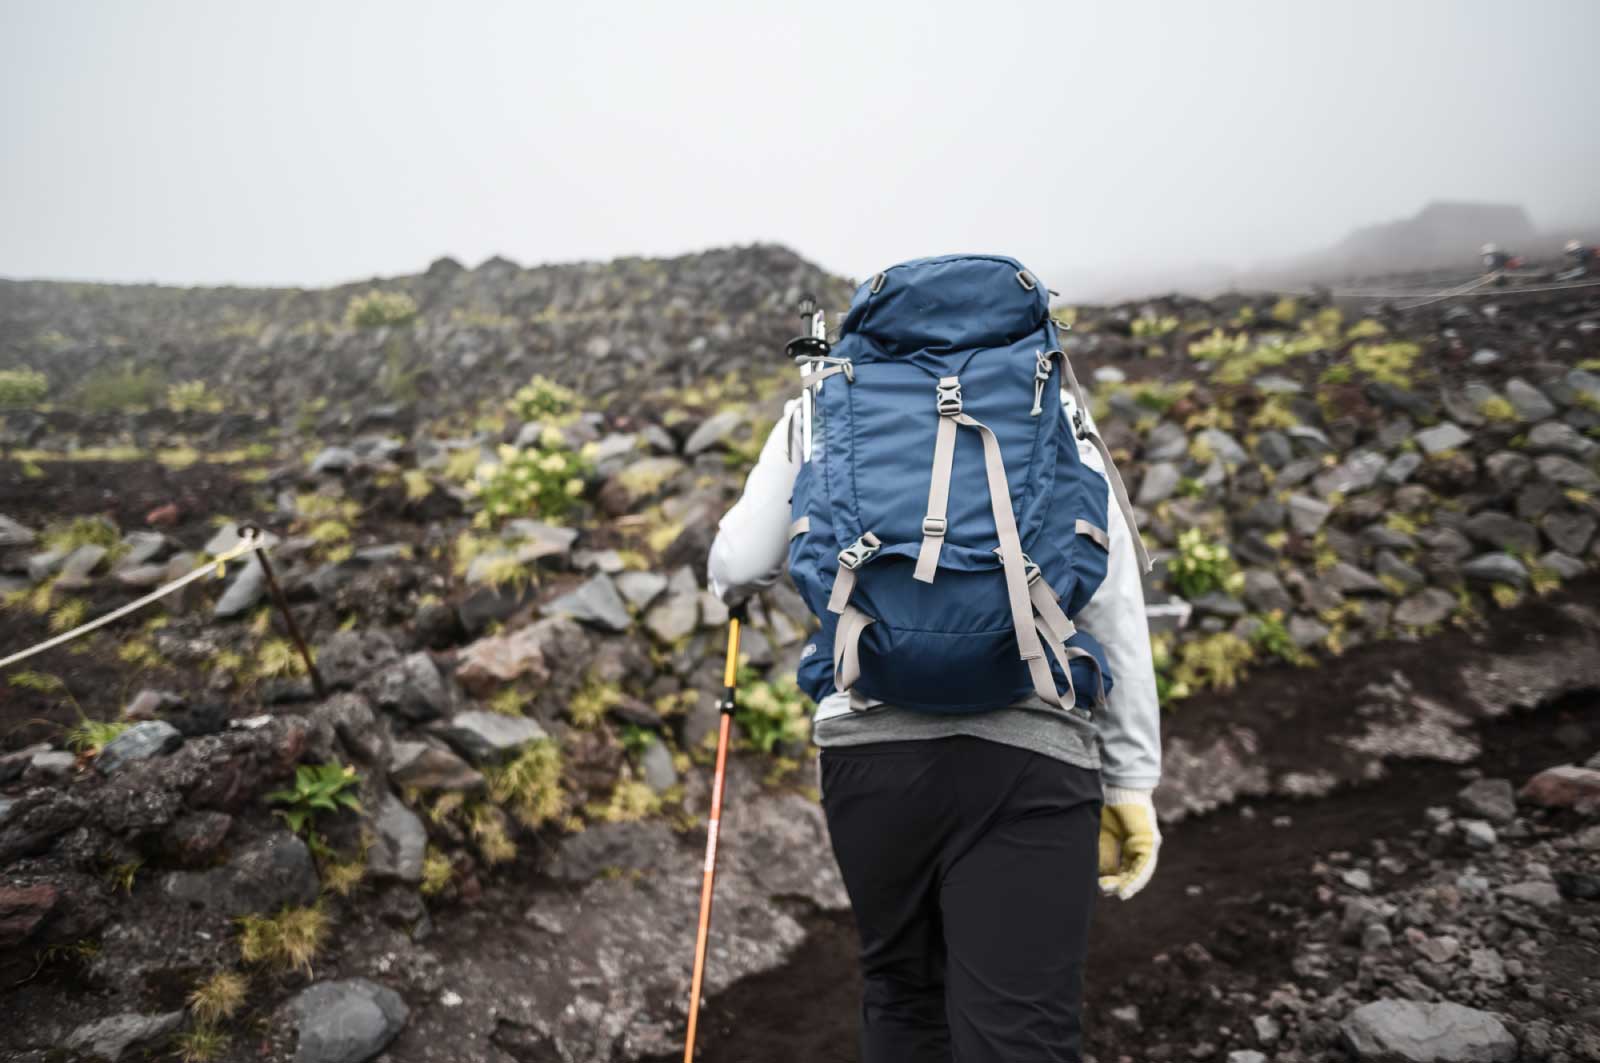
(1075, 525)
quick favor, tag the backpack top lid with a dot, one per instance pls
(952, 302)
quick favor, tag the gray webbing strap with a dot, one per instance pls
(817, 376)
(1074, 653)
(1080, 429)
(1012, 562)
(1099, 535)
(1078, 396)
(1049, 610)
(847, 647)
(851, 558)
(944, 455)
(800, 526)
(1120, 492)
(843, 584)
(1063, 654)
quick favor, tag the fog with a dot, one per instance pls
(305, 143)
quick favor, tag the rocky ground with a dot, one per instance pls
(488, 495)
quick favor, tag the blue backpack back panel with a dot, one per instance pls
(949, 645)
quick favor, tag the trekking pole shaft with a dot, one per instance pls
(288, 620)
(708, 880)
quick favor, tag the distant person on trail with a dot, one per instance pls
(1498, 260)
(972, 791)
(1581, 258)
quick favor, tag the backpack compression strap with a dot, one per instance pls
(944, 456)
(1013, 561)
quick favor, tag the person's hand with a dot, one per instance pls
(1129, 841)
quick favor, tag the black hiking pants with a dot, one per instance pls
(971, 869)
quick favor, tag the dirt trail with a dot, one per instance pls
(1233, 881)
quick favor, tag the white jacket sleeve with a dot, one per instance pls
(752, 542)
(1130, 722)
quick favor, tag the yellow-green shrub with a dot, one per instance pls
(377, 308)
(1200, 566)
(536, 482)
(22, 387)
(542, 398)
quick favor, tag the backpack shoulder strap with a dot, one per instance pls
(1081, 430)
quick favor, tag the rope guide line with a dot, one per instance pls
(250, 539)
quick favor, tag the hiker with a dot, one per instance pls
(972, 796)
(1581, 258)
(1497, 260)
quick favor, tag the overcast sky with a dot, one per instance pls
(305, 143)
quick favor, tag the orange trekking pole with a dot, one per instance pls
(707, 883)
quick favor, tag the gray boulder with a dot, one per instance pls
(488, 737)
(656, 765)
(1273, 448)
(1496, 568)
(639, 589)
(420, 766)
(334, 460)
(1306, 632)
(1530, 403)
(112, 1038)
(1224, 446)
(411, 687)
(1159, 483)
(1492, 799)
(42, 565)
(274, 871)
(1566, 472)
(1420, 1032)
(1392, 570)
(1447, 435)
(1265, 591)
(1400, 469)
(153, 738)
(399, 842)
(1558, 437)
(675, 617)
(1352, 476)
(1425, 608)
(14, 534)
(1504, 531)
(596, 603)
(349, 1021)
(713, 431)
(141, 547)
(1306, 514)
(1348, 579)
(1166, 442)
(245, 591)
(1508, 469)
(1309, 440)
(79, 566)
(1569, 532)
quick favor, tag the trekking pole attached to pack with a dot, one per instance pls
(730, 672)
(810, 351)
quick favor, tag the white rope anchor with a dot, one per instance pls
(250, 539)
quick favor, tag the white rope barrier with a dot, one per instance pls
(1451, 293)
(1447, 293)
(250, 540)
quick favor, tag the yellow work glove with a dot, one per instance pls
(1129, 841)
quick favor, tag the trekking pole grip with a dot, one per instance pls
(730, 667)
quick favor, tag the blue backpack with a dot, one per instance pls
(945, 530)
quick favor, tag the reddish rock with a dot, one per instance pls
(22, 909)
(196, 837)
(487, 664)
(162, 516)
(1565, 786)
